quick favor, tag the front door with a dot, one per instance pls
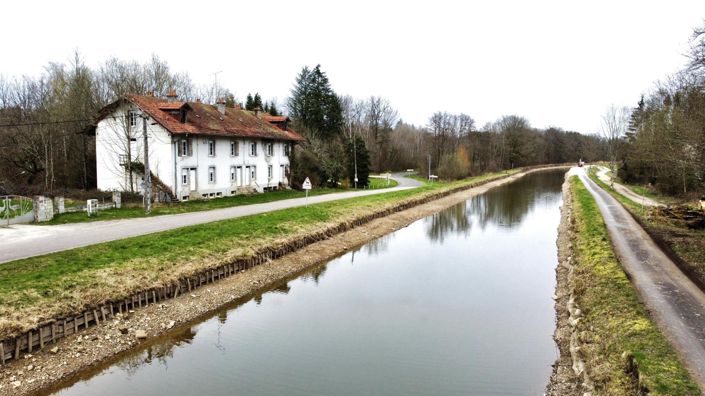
(239, 176)
(192, 179)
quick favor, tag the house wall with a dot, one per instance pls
(223, 161)
(113, 135)
(111, 143)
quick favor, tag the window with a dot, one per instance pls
(253, 173)
(270, 172)
(234, 148)
(269, 149)
(184, 148)
(211, 174)
(286, 149)
(253, 149)
(132, 117)
(233, 174)
(211, 148)
(184, 176)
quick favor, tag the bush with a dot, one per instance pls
(454, 166)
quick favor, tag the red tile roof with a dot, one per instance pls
(204, 119)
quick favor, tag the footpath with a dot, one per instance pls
(22, 241)
(676, 303)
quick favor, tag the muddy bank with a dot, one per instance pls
(569, 376)
(78, 353)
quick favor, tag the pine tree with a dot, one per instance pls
(249, 103)
(257, 102)
(314, 105)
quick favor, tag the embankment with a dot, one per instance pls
(608, 343)
(116, 334)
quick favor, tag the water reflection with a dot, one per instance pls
(420, 311)
(158, 353)
(504, 206)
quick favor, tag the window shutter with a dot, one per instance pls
(190, 147)
(178, 148)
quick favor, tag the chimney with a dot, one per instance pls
(171, 96)
(220, 104)
(257, 110)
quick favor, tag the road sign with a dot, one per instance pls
(307, 184)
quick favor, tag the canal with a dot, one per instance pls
(457, 303)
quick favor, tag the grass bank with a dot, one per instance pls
(40, 288)
(685, 246)
(135, 211)
(623, 349)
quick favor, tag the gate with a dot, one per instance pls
(15, 209)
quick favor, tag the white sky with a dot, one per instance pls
(557, 63)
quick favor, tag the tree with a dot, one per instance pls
(314, 106)
(614, 126)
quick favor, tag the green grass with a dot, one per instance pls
(615, 321)
(135, 211)
(44, 287)
(377, 183)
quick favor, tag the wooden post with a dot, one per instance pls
(75, 325)
(95, 317)
(53, 332)
(17, 348)
(29, 341)
(41, 337)
(2, 352)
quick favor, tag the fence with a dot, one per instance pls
(15, 209)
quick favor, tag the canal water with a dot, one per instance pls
(458, 303)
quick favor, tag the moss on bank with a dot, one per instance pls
(623, 349)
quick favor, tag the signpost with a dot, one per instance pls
(306, 186)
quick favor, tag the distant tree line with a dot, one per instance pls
(44, 147)
(664, 140)
(450, 144)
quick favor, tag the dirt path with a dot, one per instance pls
(675, 302)
(22, 241)
(627, 192)
(92, 349)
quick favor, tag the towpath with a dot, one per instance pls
(22, 241)
(677, 304)
(627, 192)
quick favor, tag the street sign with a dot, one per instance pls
(306, 186)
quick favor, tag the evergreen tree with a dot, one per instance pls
(249, 102)
(314, 105)
(356, 149)
(257, 102)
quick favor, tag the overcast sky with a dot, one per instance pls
(557, 63)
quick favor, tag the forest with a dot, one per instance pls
(46, 146)
(661, 141)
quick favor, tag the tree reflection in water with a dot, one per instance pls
(504, 206)
(159, 352)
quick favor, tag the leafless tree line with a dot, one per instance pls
(665, 141)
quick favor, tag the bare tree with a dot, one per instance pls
(615, 121)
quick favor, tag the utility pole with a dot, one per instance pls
(355, 156)
(429, 167)
(147, 173)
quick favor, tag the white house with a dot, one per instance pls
(196, 150)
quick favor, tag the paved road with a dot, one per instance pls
(627, 192)
(22, 241)
(677, 304)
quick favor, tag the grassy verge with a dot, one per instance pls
(133, 211)
(377, 183)
(614, 321)
(687, 245)
(40, 288)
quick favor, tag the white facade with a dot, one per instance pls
(192, 166)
